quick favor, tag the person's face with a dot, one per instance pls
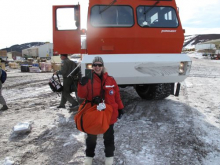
(62, 57)
(97, 67)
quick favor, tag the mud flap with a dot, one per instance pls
(175, 89)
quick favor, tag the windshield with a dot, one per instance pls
(156, 16)
(113, 16)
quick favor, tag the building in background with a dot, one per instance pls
(14, 55)
(3, 59)
(209, 47)
(3, 54)
(42, 51)
(46, 50)
(30, 52)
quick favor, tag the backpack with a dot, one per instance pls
(92, 121)
(3, 76)
(55, 85)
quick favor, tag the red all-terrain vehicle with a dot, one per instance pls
(140, 42)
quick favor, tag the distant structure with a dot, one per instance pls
(14, 55)
(209, 48)
(192, 40)
(3, 54)
(216, 42)
(30, 52)
(212, 46)
(43, 51)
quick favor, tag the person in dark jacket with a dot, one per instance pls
(67, 67)
(2, 100)
(102, 84)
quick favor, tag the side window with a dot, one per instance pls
(113, 16)
(149, 16)
(67, 19)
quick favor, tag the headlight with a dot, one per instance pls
(88, 66)
(182, 68)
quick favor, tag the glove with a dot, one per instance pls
(120, 113)
(84, 80)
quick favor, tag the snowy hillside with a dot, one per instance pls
(191, 40)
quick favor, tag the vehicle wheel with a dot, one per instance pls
(153, 91)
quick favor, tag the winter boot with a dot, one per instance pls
(88, 161)
(75, 104)
(108, 160)
(61, 106)
(5, 107)
(73, 109)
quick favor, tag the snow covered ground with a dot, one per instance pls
(177, 130)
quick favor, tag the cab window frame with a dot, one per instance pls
(75, 22)
(116, 21)
(163, 17)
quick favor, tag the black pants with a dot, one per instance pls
(109, 143)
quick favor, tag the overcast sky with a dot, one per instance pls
(23, 21)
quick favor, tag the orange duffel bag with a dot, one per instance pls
(92, 121)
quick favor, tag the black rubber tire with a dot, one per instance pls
(153, 91)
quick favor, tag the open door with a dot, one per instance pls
(66, 29)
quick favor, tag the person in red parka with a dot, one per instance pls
(103, 86)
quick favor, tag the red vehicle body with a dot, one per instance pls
(139, 40)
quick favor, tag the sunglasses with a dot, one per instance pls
(99, 65)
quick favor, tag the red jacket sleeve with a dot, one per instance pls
(82, 90)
